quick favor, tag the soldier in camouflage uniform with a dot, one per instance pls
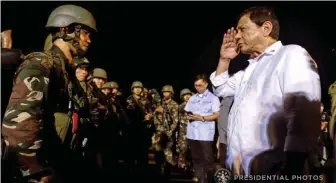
(185, 94)
(332, 93)
(140, 115)
(166, 123)
(332, 123)
(40, 98)
(83, 130)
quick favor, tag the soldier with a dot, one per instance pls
(332, 123)
(140, 115)
(166, 123)
(83, 130)
(185, 94)
(40, 98)
(332, 93)
(106, 89)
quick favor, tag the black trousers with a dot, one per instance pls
(202, 159)
(295, 164)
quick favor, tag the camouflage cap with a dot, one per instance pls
(114, 84)
(168, 88)
(107, 85)
(80, 61)
(185, 91)
(137, 84)
(66, 15)
(99, 73)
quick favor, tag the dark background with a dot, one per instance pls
(162, 43)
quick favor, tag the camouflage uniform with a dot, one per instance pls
(182, 138)
(137, 107)
(332, 93)
(40, 100)
(167, 122)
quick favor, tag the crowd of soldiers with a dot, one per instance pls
(59, 112)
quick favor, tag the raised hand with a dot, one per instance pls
(229, 49)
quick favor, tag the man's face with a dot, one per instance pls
(200, 86)
(249, 35)
(137, 90)
(106, 91)
(81, 73)
(115, 91)
(186, 97)
(84, 40)
(166, 95)
(99, 82)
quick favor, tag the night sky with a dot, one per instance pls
(162, 43)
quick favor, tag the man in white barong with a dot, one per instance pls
(279, 81)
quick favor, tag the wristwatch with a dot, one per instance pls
(203, 119)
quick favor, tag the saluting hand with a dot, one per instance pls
(229, 49)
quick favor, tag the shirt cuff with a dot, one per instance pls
(219, 79)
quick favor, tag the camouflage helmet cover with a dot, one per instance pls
(80, 61)
(185, 91)
(168, 88)
(137, 84)
(99, 73)
(66, 15)
(107, 85)
(114, 84)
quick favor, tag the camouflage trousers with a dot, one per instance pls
(182, 149)
(168, 147)
(168, 152)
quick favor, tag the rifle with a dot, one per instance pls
(144, 111)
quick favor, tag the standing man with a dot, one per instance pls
(185, 95)
(40, 98)
(203, 110)
(166, 121)
(82, 136)
(140, 114)
(280, 84)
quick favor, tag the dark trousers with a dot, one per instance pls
(202, 159)
(222, 154)
(295, 164)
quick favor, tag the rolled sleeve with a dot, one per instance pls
(220, 79)
(224, 85)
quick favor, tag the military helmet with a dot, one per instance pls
(107, 85)
(168, 88)
(80, 61)
(185, 91)
(114, 84)
(137, 84)
(48, 42)
(66, 15)
(99, 73)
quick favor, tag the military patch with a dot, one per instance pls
(46, 63)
